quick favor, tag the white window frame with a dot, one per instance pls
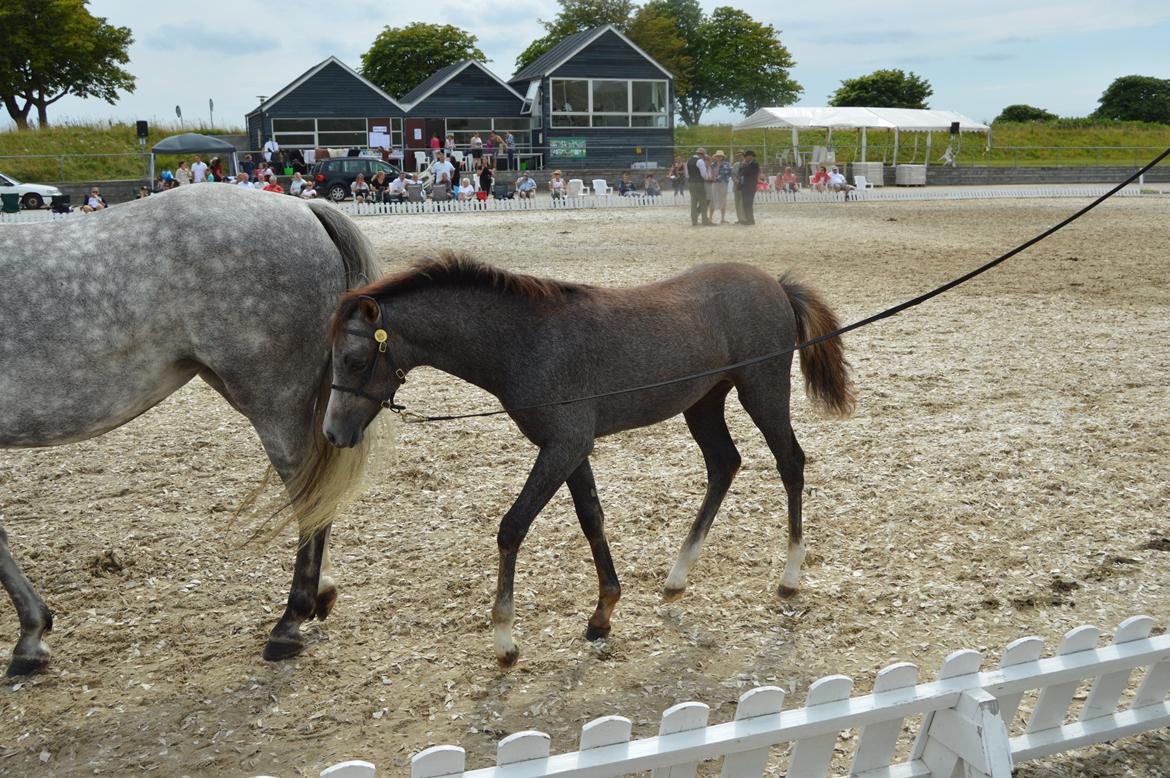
(629, 112)
(395, 129)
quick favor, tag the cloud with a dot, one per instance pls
(172, 37)
(993, 57)
(869, 37)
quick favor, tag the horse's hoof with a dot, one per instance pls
(786, 591)
(508, 660)
(27, 664)
(325, 601)
(596, 633)
(672, 595)
(277, 649)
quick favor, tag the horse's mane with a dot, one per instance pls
(452, 270)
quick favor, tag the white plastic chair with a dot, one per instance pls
(420, 160)
(458, 157)
(576, 187)
(600, 187)
(861, 182)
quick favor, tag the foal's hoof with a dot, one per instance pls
(508, 661)
(325, 601)
(672, 595)
(596, 633)
(786, 591)
(283, 647)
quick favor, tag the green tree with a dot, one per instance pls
(53, 48)
(576, 16)
(740, 64)
(657, 34)
(401, 58)
(1136, 99)
(1024, 113)
(883, 89)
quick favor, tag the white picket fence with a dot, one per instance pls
(968, 717)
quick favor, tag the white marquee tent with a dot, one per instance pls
(830, 118)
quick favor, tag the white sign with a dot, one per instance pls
(418, 133)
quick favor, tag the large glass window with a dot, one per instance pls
(609, 103)
(331, 133)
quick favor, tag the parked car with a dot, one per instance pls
(31, 195)
(332, 177)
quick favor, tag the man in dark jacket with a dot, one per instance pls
(697, 183)
(749, 177)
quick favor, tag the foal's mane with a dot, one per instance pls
(451, 270)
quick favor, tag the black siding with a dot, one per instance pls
(333, 91)
(608, 57)
(471, 93)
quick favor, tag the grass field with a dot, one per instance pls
(76, 152)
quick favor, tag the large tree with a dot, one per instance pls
(576, 16)
(656, 33)
(53, 48)
(1136, 99)
(1024, 113)
(891, 88)
(401, 58)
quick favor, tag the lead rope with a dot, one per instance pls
(416, 418)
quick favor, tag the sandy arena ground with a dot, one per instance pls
(1007, 473)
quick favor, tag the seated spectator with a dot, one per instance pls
(396, 189)
(650, 184)
(378, 186)
(94, 202)
(837, 182)
(243, 182)
(466, 190)
(298, 183)
(248, 166)
(820, 179)
(525, 186)
(143, 192)
(788, 182)
(762, 182)
(556, 186)
(626, 187)
(360, 189)
(308, 191)
(273, 185)
(215, 170)
(442, 170)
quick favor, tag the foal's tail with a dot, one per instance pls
(330, 476)
(826, 373)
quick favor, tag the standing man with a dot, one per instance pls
(510, 145)
(749, 177)
(198, 170)
(270, 148)
(697, 183)
(735, 186)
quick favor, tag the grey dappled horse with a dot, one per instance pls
(529, 340)
(103, 316)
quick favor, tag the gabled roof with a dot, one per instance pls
(440, 77)
(571, 47)
(283, 93)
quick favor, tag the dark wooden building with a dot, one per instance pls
(330, 105)
(601, 101)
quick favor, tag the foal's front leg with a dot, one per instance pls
(553, 465)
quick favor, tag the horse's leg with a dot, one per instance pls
(30, 653)
(709, 429)
(553, 465)
(326, 590)
(764, 395)
(609, 589)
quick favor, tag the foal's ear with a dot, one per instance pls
(369, 309)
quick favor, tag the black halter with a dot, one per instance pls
(381, 337)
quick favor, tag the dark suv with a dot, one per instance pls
(332, 177)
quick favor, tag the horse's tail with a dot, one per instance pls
(330, 476)
(826, 372)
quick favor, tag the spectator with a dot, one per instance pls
(838, 183)
(626, 187)
(360, 189)
(436, 145)
(183, 173)
(476, 146)
(697, 180)
(248, 166)
(525, 186)
(442, 171)
(271, 147)
(243, 182)
(94, 202)
(466, 190)
(273, 185)
(721, 170)
(735, 185)
(297, 185)
(510, 146)
(308, 192)
(749, 176)
(678, 176)
(485, 181)
(215, 170)
(450, 145)
(199, 170)
(788, 182)
(396, 189)
(378, 187)
(556, 185)
(820, 179)
(500, 150)
(762, 184)
(262, 172)
(650, 184)
(143, 192)
(709, 186)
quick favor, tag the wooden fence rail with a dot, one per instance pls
(967, 714)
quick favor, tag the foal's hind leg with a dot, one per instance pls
(764, 395)
(609, 589)
(709, 428)
(30, 653)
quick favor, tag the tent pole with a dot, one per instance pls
(151, 182)
(929, 139)
(895, 162)
(864, 142)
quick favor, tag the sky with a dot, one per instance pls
(978, 57)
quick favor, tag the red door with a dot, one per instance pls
(416, 140)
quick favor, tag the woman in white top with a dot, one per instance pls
(183, 174)
(556, 185)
